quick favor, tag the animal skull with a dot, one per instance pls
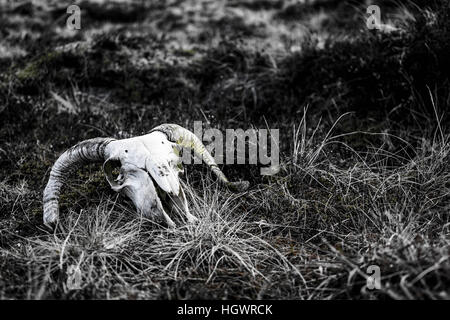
(147, 168)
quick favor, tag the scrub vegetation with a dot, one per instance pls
(364, 148)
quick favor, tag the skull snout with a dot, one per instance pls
(137, 185)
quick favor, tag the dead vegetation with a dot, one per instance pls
(364, 174)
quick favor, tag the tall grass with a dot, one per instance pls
(344, 199)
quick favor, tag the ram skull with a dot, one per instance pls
(147, 167)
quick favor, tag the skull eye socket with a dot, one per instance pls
(111, 168)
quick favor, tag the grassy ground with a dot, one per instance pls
(365, 175)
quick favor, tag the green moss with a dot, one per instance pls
(33, 168)
(36, 211)
(83, 186)
(185, 52)
(36, 69)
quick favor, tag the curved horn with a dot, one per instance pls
(87, 151)
(186, 138)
